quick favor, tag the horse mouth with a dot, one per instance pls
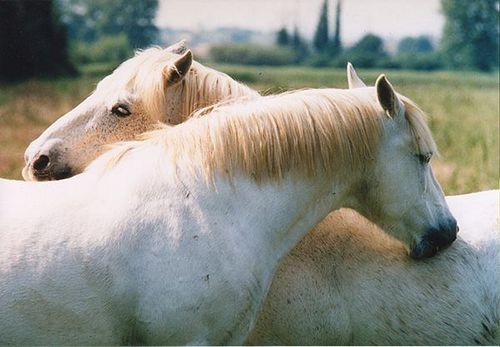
(49, 174)
(433, 242)
(424, 249)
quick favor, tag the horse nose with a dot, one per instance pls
(444, 235)
(41, 163)
(40, 155)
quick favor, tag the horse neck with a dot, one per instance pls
(204, 87)
(270, 216)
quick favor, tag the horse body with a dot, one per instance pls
(348, 283)
(176, 234)
(89, 276)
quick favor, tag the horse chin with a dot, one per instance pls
(435, 240)
(26, 174)
(424, 249)
(47, 175)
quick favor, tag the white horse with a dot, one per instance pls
(155, 85)
(170, 240)
(347, 283)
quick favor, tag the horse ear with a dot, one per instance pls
(178, 70)
(177, 48)
(387, 97)
(352, 78)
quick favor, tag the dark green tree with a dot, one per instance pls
(32, 39)
(336, 44)
(299, 46)
(367, 52)
(370, 43)
(470, 35)
(320, 40)
(88, 20)
(282, 37)
(415, 45)
(416, 53)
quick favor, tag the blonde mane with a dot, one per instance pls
(204, 86)
(145, 73)
(310, 131)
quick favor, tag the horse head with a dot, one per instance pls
(399, 192)
(129, 101)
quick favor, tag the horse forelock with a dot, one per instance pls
(422, 137)
(142, 74)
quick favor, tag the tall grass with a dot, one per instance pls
(27, 109)
(463, 111)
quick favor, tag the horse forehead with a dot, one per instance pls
(108, 92)
(113, 83)
(140, 66)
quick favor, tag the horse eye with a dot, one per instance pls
(424, 158)
(120, 111)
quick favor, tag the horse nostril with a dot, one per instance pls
(442, 237)
(41, 163)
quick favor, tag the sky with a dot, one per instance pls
(390, 19)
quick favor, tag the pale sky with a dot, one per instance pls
(387, 18)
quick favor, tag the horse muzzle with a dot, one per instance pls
(43, 162)
(434, 240)
(43, 170)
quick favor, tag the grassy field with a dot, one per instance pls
(463, 111)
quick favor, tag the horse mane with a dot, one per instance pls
(310, 131)
(201, 87)
(204, 86)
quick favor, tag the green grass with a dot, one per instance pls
(463, 109)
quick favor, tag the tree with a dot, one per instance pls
(108, 49)
(32, 39)
(336, 45)
(299, 46)
(470, 35)
(416, 53)
(88, 20)
(320, 40)
(370, 43)
(415, 45)
(282, 37)
(367, 52)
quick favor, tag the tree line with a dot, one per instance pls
(469, 41)
(51, 37)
